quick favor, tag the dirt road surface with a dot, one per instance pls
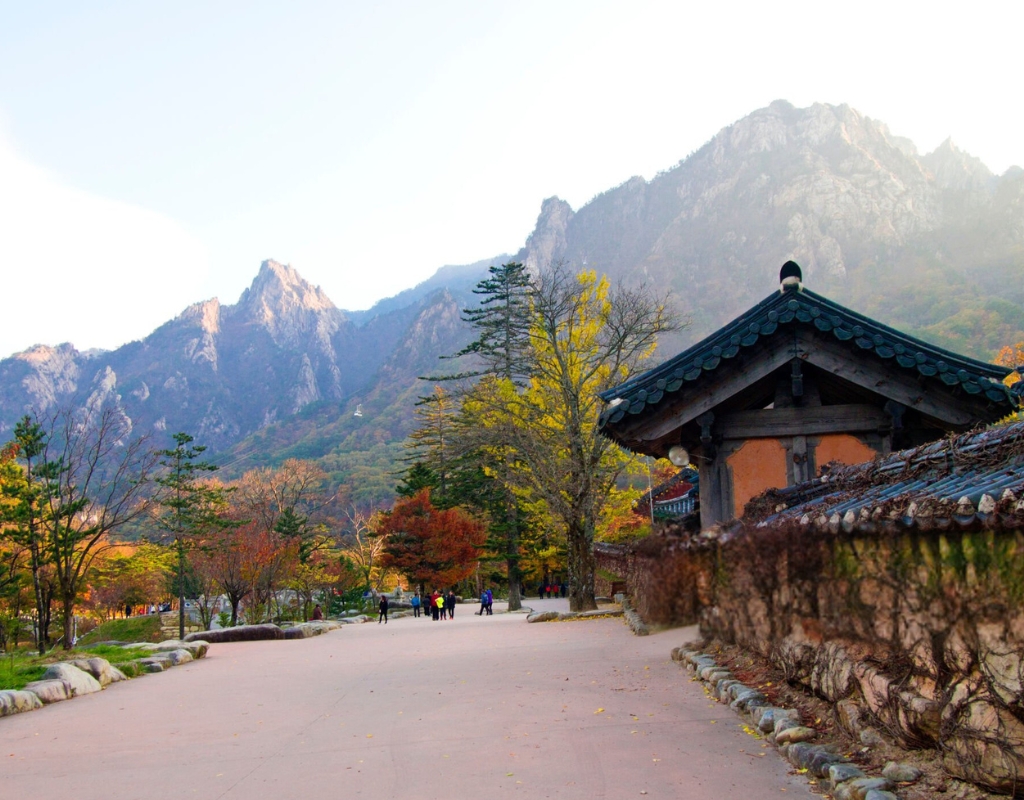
(475, 707)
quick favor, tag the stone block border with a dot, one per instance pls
(67, 679)
(783, 728)
(550, 616)
(633, 619)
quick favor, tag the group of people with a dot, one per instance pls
(546, 590)
(442, 606)
(437, 605)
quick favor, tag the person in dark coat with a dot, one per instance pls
(449, 604)
(383, 610)
(318, 613)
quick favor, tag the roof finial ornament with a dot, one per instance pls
(790, 277)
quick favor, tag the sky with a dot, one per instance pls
(153, 154)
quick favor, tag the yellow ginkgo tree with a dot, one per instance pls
(587, 336)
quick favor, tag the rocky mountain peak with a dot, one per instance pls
(548, 238)
(287, 305)
(204, 315)
(952, 168)
(279, 287)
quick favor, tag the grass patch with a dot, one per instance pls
(24, 666)
(133, 629)
(16, 670)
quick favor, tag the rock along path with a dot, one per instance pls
(470, 708)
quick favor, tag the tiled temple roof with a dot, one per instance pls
(667, 495)
(801, 307)
(975, 480)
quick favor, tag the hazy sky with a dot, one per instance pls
(151, 155)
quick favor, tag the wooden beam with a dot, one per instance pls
(706, 394)
(801, 421)
(932, 398)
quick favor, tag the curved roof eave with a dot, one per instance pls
(807, 308)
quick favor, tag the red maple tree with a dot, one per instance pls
(430, 546)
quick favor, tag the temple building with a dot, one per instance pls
(795, 383)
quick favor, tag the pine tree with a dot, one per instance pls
(500, 352)
(191, 506)
(23, 510)
(502, 323)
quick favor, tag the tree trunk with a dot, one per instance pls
(582, 567)
(181, 588)
(68, 621)
(40, 606)
(515, 600)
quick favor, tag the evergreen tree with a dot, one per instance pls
(417, 476)
(502, 324)
(23, 511)
(500, 351)
(191, 506)
(431, 443)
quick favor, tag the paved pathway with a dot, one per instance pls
(477, 707)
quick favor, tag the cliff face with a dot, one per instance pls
(932, 244)
(824, 185)
(218, 372)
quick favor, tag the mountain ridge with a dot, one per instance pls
(932, 244)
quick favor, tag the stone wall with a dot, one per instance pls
(668, 577)
(920, 634)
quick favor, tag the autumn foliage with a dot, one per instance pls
(430, 546)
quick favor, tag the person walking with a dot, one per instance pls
(449, 604)
(490, 602)
(383, 610)
(415, 604)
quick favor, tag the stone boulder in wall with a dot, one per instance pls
(79, 682)
(241, 633)
(14, 701)
(100, 669)
(49, 691)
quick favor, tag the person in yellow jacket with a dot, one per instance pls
(439, 602)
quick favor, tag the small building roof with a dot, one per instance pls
(676, 386)
(665, 495)
(972, 480)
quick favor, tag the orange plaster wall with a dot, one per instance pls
(843, 448)
(758, 465)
